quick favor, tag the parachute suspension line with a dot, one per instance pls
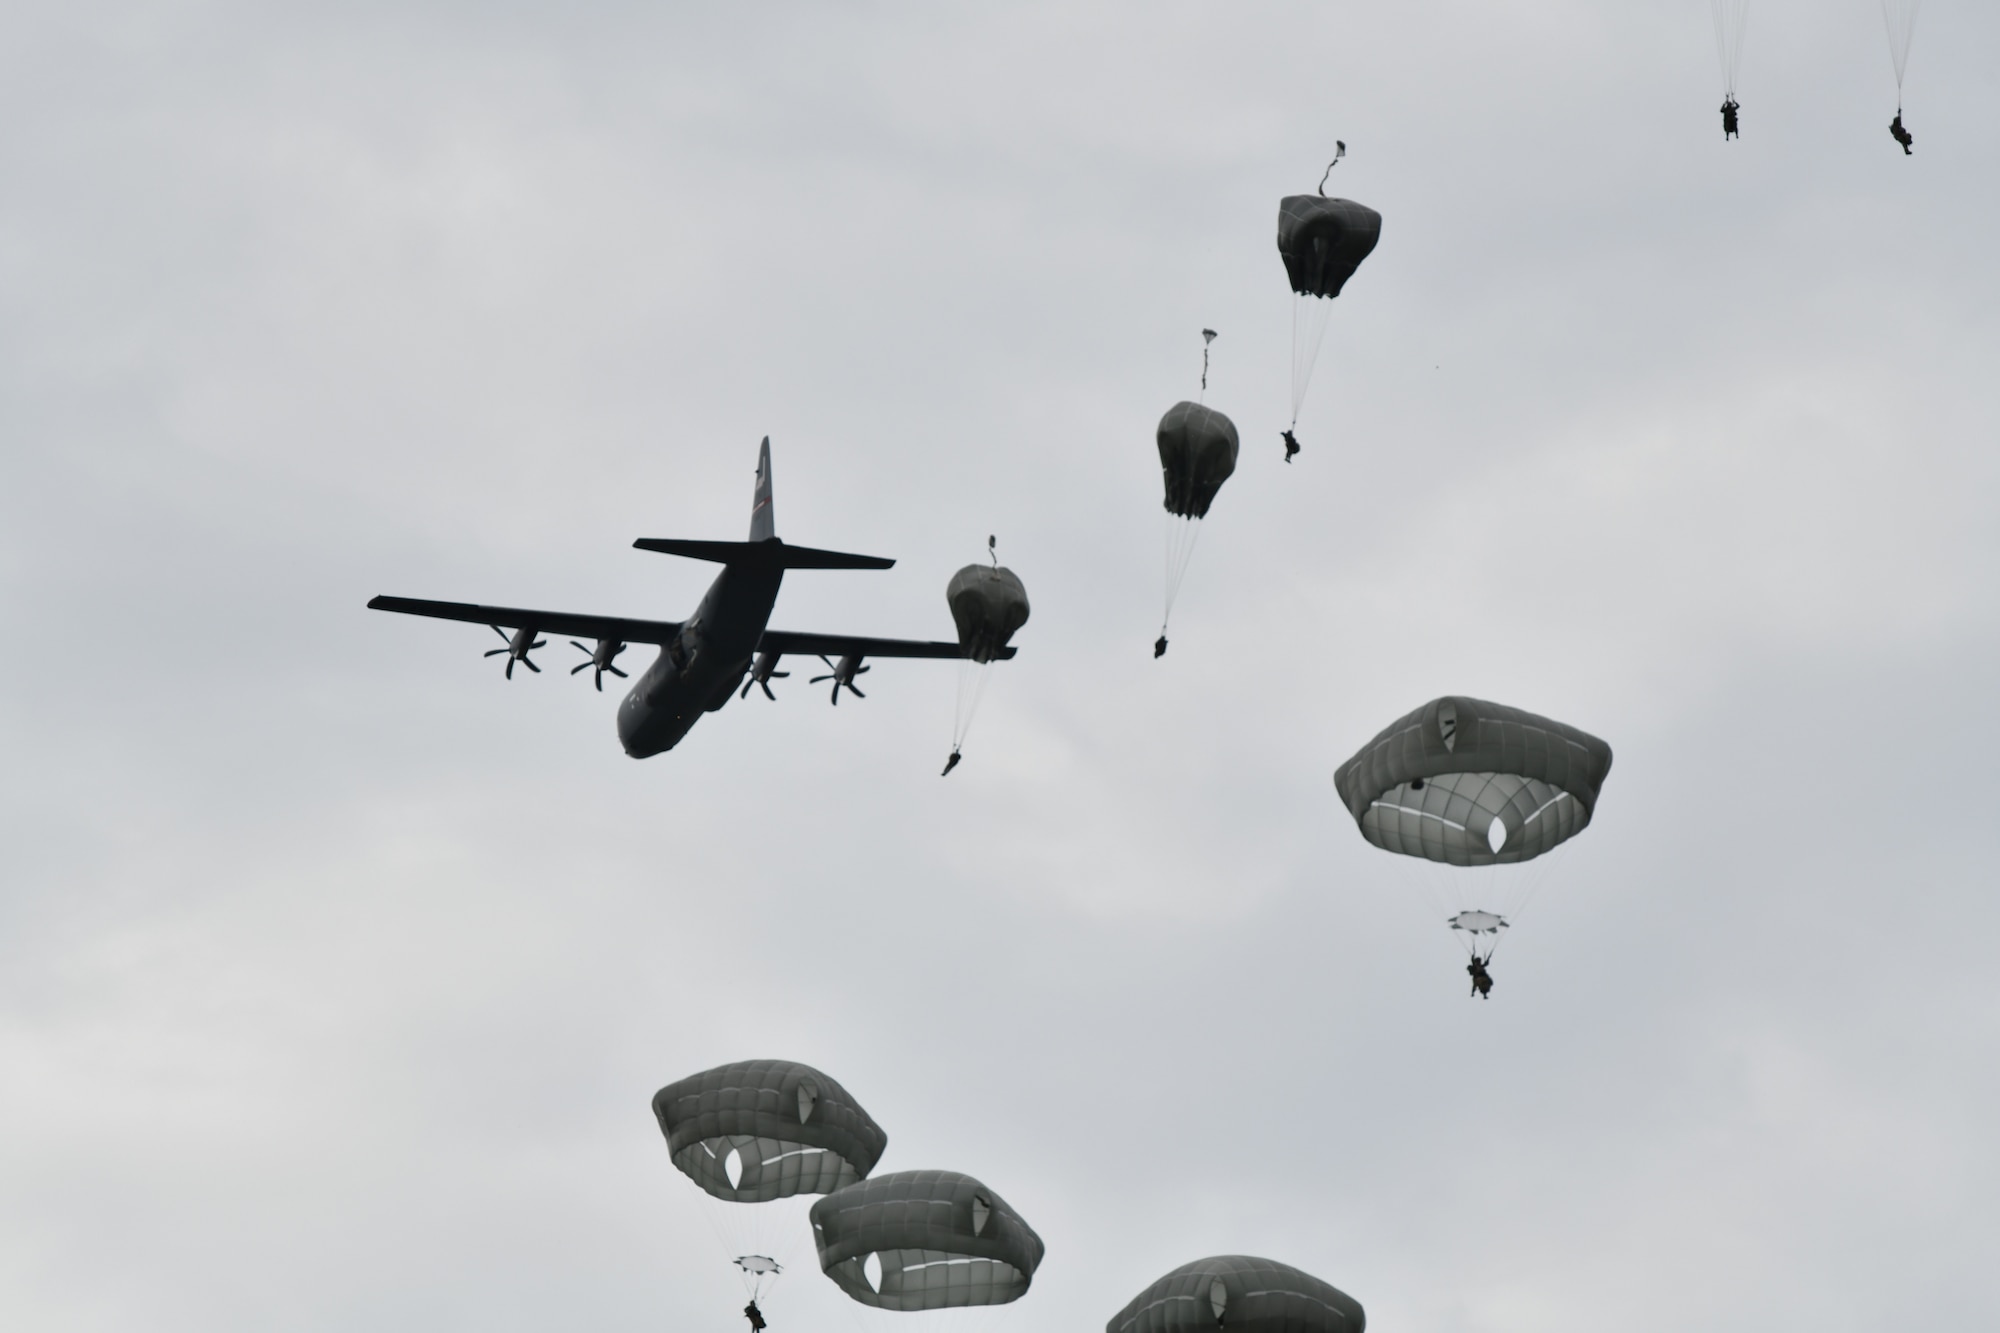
(972, 678)
(1731, 16)
(1182, 533)
(1900, 18)
(1309, 319)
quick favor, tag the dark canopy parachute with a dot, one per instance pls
(988, 603)
(758, 1132)
(1243, 1295)
(1322, 242)
(1471, 783)
(1465, 783)
(925, 1240)
(767, 1129)
(1198, 447)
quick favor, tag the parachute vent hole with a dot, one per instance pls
(1496, 835)
(1416, 784)
(871, 1271)
(732, 1166)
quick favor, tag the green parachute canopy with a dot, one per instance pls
(924, 1240)
(1242, 1295)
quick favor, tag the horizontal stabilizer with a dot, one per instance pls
(770, 554)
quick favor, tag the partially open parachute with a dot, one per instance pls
(1242, 1295)
(988, 603)
(1322, 242)
(925, 1240)
(1198, 447)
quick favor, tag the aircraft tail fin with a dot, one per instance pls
(763, 522)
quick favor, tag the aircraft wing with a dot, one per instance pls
(839, 645)
(556, 622)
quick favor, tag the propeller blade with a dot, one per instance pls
(531, 666)
(744, 693)
(495, 653)
(767, 690)
(585, 667)
(580, 648)
(538, 643)
(614, 671)
(600, 682)
(501, 632)
(857, 693)
(510, 668)
(817, 679)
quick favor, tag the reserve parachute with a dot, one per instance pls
(924, 1241)
(1474, 786)
(1322, 242)
(755, 1134)
(988, 603)
(1242, 1295)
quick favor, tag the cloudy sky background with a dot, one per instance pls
(336, 971)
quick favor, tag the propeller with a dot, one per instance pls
(601, 657)
(519, 644)
(762, 675)
(843, 674)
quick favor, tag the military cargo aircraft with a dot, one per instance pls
(703, 659)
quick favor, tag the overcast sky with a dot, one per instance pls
(336, 971)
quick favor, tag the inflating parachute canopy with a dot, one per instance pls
(988, 603)
(1243, 1295)
(1198, 447)
(924, 1240)
(1471, 783)
(767, 1129)
(1322, 242)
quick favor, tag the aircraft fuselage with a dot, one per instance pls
(697, 672)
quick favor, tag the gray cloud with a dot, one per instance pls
(336, 972)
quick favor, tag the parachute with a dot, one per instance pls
(758, 1132)
(1465, 783)
(1322, 242)
(1198, 447)
(1243, 1295)
(988, 603)
(924, 1240)
(1730, 18)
